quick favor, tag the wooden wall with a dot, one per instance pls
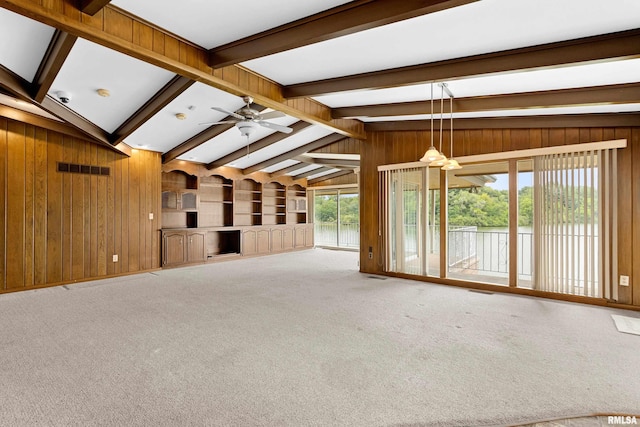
(400, 147)
(62, 227)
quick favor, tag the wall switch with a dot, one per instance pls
(115, 258)
(624, 280)
(151, 215)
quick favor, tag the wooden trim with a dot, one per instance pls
(519, 154)
(524, 122)
(328, 161)
(329, 139)
(611, 94)
(57, 52)
(513, 222)
(330, 176)
(444, 223)
(255, 146)
(339, 21)
(621, 45)
(161, 99)
(91, 7)
(191, 61)
(40, 121)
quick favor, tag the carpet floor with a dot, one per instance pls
(304, 339)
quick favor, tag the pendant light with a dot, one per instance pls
(451, 163)
(443, 159)
(432, 154)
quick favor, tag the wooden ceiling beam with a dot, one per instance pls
(319, 143)
(330, 176)
(21, 89)
(258, 145)
(339, 21)
(621, 45)
(57, 52)
(40, 121)
(338, 163)
(612, 94)
(116, 29)
(289, 169)
(161, 99)
(91, 7)
(524, 122)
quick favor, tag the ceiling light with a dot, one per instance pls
(104, 93)
(451, 163)
(181, 116)
(432, 154)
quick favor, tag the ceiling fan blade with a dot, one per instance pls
(222, 110)
(274, 126)
(226, 122)
(272, 115)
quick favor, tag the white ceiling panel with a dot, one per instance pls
(213, 23)
(296, 140)
(280, 165)
(164, 131)
(19, 35)
(304, 170)
(230, 141)
(327, 172)
(603, 73)
(25, 106)
(90, 67)
(475, 28)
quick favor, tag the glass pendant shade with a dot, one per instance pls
(443, 161)
(450, 165)
(431, 155)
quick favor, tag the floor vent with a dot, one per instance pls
(377, 277)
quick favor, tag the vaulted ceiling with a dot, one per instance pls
(335, 68)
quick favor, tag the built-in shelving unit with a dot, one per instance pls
(274, 204)
(209, 217)
(216, 201)
(297, 204)
(248, 203)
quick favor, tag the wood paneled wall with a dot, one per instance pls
(382, 148)
(62, 227)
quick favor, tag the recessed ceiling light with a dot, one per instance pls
(104, 93)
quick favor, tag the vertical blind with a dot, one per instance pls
(404, 215)
(574, 240)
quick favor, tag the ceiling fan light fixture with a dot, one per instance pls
(247, 127)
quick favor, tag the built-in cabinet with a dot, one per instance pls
(208, 217)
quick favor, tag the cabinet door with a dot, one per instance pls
(308, 237)
(264, 244)
(276, 240)
(249, 242)
(300, 237)
(174, 248)
(196, 247)
(287, 238)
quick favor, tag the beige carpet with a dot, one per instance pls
(303, 339)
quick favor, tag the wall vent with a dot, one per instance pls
(85, 169)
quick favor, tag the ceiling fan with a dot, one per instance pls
(247, 119)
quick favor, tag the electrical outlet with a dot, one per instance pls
(370, 255)
(115, 258)
(151, 216)
(624, 280)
